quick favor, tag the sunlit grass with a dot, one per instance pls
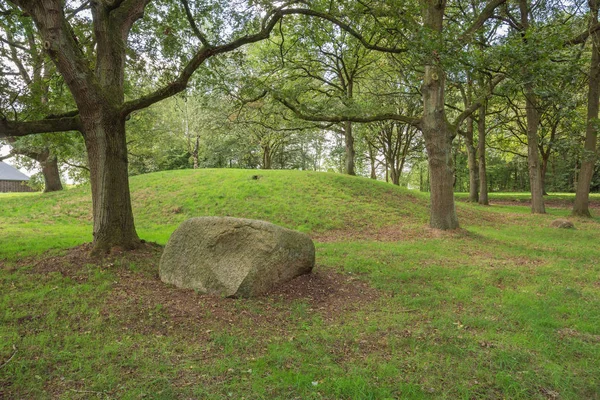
(507, 307)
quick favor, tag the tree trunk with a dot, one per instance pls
(195, 154)
(483, 185)
(438, 141)
(105, 141)
(395, 175)
(51, 173)
(533, 155)
(545, 158)
(586, 173)
(372, 160)
(436, 130)
(533, 121)
(267, 158)
(350, 153)
(472, 162)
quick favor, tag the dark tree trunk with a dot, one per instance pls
(350, 152)
(586, 173)
(533, 155)
(195, 154)
(438, 141)
(51, 173)
(372, 160)
(543, 172)
(395, 175)
(267, 158)
(533, 120)
(105, 141)
(483, 185)
(472, 163)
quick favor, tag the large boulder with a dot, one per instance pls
(234, 257)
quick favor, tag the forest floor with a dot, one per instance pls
(505, 307)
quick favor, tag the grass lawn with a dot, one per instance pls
(505, 307)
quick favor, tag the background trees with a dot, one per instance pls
(265, 85)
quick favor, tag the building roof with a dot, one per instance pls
(9, 173)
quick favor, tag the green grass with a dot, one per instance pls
(505, 308)
(526, 196)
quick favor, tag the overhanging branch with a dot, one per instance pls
(485, 14)
(49, 125)
(345, 27)
(206, 52)
(416, 122)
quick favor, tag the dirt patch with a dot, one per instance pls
(71, 263)
(139, 302)
(391, 233)
(555, 203)
(572, 333)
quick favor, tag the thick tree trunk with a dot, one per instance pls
(51, 173)
(533, 156)
(533, 120)
(267, 158)
(472, 163)
(438, 141)
(395, 175)
(350, 152)
(104, 134)
(483, 185)
(590, 152)
(436, 129)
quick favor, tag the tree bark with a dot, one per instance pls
(533, 121)
(372, 160)
(438, 141)
(472, 162)
(105, 142)
(533, 156)
(350, 152)
(436, 129)
(395, 175)
(267, 157)
(483, 185)
(195, 154)
(590, 151)
(543, 171)
(51, 173)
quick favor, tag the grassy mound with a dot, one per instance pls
(306, 201)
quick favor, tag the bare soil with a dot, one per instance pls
(144, 304)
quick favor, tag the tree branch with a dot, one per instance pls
(582, 37)
(342, 118)
(76, 165)
(478, 102)
(14, 44)
(206, 52)
(49, 125)
(190, 17)
(345, 27)
(487, 13)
